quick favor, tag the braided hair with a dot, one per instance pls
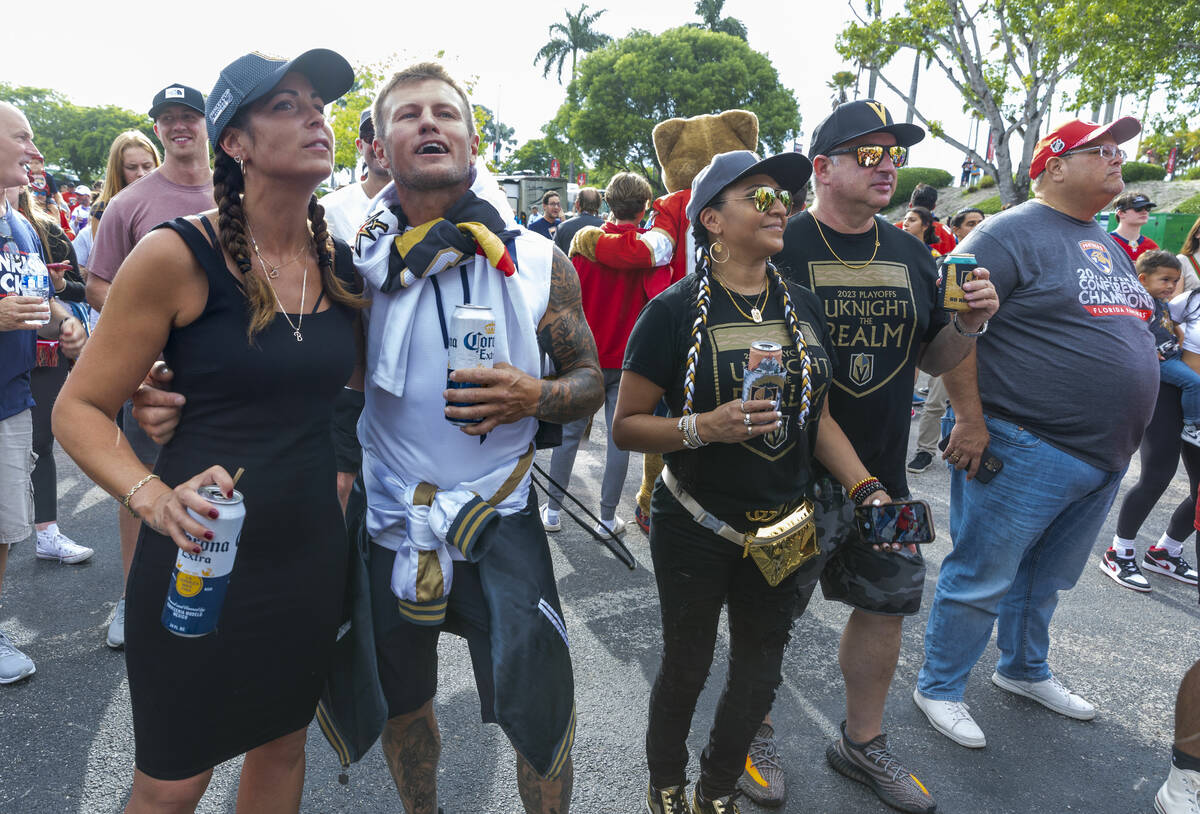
(229, 184)
(700, 327)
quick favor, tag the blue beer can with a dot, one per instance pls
(199, 581)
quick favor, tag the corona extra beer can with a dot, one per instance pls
(199, 581)
(957, 268)
(764, 377)
(472, 344)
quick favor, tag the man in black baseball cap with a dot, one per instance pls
(1132, 213)
(879, 287)
(176, 94)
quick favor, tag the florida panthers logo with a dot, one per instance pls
(1097, 254)
(370, 231)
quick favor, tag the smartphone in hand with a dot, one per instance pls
(907, 522)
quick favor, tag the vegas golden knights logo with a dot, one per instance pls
(862, 368)
(880, 111)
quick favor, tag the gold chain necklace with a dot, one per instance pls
(295, 326)
(760, 300)
(835, 254)
(272, 271)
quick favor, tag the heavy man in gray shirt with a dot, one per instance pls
(1073, 320)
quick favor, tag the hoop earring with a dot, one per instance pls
(712, 252)
(241, 162)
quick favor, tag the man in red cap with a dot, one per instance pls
(1073, 317)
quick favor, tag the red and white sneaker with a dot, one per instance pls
(1160, 562)
(1124, 571)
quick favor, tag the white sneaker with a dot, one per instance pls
(1180, 794)
(1191, 434)
(52, 544)
(616, 527)
(14, 665)
(116, 628)
(1051, 694)
(953, 719)
(550, 521)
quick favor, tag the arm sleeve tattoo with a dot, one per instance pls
(565, 337)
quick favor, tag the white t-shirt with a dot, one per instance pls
(345, 211)
(1188, 319)
(1190, 279)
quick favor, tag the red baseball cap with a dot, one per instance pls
(1076, 133)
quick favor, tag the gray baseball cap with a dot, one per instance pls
(252, 76)
(790, 170)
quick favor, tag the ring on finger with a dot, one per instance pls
(746, 420)
(749, 429)
(955, 457)
(742, 407)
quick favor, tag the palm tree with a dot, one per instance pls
(569, 40)
(839, 83)
(710, 12)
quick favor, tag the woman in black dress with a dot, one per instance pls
(246, 305)
(738, 465)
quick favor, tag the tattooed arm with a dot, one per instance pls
(507, 394)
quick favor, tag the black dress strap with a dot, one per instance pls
(210, 258)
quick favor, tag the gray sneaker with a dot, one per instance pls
(116, 628)
(872, 764)
(763, 780)
(14, 665)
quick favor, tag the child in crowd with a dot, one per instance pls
(1174, 324)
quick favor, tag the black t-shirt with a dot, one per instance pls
(1163, 328)
(756, 482)
(878, 317)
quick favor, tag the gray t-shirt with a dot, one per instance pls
(1069, 356)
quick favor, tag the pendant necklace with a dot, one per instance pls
(755, 308)
(295, 326)
(272, 271)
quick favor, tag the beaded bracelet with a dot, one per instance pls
(127, 499)
(864, 489)
(691, 436)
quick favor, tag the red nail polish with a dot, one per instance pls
(229, 494)
(208, 535)
(213, 513)
(197, 550)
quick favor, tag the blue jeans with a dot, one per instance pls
(1018, 541)
(1175, 371)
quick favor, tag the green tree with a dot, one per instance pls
(70, 136)
(1157, 148)
(577, 36)
(492, 131)
(1008, 59)
(345, 112)
(625, 89)
(839, 83)
(709, 11)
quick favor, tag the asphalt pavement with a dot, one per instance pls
(66, 743)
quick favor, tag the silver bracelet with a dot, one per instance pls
(970, 334)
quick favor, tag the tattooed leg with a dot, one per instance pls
(412, 744)
(541, 796)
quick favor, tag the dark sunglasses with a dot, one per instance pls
(869, 155)
(764, 198)
(1141, 208)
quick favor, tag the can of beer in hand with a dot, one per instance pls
(472, 344)
(199, 581)
(957, 268)
(764, 376)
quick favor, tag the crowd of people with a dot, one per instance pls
(761, 355)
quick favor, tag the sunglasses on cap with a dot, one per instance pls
(764, 198)
(869, 155)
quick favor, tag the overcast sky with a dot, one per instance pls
(133, 50)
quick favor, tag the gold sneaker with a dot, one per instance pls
(671, 800)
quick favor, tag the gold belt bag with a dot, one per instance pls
(781, 548)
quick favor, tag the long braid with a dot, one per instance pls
(789, 314)
(334, 286)
(228, 185)
(699, 327)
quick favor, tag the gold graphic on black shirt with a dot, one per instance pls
(731, 349)
(872, 318)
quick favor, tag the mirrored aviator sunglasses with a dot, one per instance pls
(764, 198)
(869, 155)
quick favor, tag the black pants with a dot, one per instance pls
(45, 383)
(698, 572)
(1160, 452)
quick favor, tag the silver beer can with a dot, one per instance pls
(472, 344)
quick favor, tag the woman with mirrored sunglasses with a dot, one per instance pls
(738, 462)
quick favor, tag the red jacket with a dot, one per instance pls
(945, 238)
(615, 286)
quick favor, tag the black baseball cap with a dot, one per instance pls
(176, 95)
(1134, 200)
(790, 170)
(252, 76)
(858, 118)
(364, 119)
